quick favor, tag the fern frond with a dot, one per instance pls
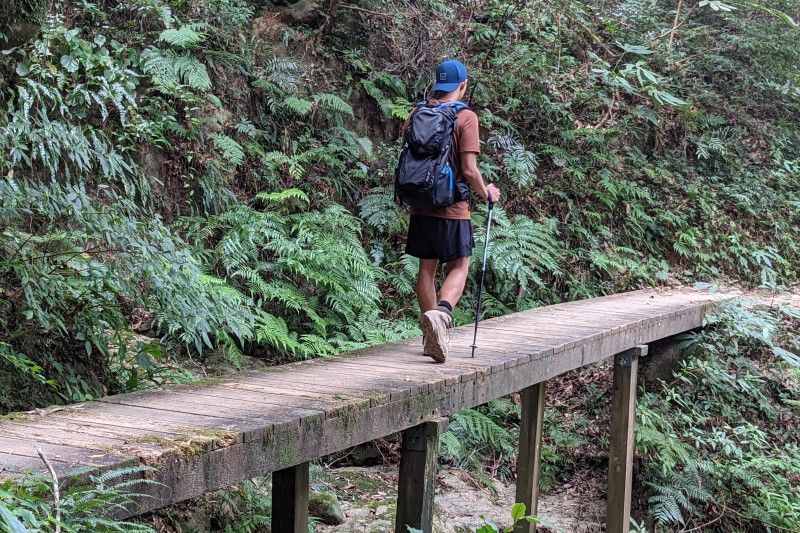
(231, 150)
(298, 106)
(184, 37)
(333, 103)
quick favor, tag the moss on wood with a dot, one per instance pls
(348, 419)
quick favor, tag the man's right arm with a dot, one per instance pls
(471, 172)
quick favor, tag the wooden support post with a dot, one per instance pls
(530, 452)
(418, 468)
(620, 467)
(290, 499)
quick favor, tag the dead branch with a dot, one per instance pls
(56, 491)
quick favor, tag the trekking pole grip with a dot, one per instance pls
(489, 199)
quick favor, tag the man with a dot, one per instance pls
(444, 235)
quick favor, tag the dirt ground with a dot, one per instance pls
(368, 500)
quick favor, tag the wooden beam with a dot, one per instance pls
(418, 469)
(290, 499)
(530, 452)
(620, 467)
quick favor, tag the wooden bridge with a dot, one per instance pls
(207, 436)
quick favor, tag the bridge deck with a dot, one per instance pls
(210, 435)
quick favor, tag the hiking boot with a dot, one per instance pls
(435, 326)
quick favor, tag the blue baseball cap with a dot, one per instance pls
(449, 75)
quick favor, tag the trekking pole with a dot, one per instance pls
(483, 274)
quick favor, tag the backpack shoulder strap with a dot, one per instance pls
(457, 105)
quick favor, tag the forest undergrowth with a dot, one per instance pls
(188, 178)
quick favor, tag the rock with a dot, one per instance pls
(303, 12)
(326, 507)
(152, 161)
(381, 526)
(360, 511)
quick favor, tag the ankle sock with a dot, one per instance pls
(446, 305)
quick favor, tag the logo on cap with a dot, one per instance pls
(449, 75)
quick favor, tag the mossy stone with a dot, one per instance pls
(326, 507)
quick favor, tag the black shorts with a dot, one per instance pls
(439, 238)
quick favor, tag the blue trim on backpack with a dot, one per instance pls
(457, 104)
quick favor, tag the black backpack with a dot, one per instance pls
(423, 178)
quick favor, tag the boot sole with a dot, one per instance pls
(432, 348)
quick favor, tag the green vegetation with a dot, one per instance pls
(185, 175)
(720, 439)
(26, 506)
(180, 178)
(481, 436)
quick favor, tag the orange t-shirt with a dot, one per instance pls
(465, 139)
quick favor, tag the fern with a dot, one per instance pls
(306, 270)
(298, 106)
(231, 150)
(185, 37)
(709, 444)
(475, 434)
(522, 252)
(169, 70)
(380, 211)
(333, 104)
(519, 164)
(26, 504)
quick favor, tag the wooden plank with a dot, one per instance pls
(61, 436)
(65, 455)
(397, 386)
(109, 415)
(589, 325)
(16, 465)
(93, 428)
(283, 389)
(314, 380)
(412, 373)
(247, 429)
(264, 399)
(620, 468)
(178, 402)
(561, 321)
(524, 347)
(366, 375)
(420, 364)
(559, 343)
(290, 500)
(542, 338)
(418, 467)
(530, 452)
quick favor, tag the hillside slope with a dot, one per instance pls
(185, 177)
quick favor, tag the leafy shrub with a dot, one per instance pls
(27, 505)
(715, 439)
(306, 271)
